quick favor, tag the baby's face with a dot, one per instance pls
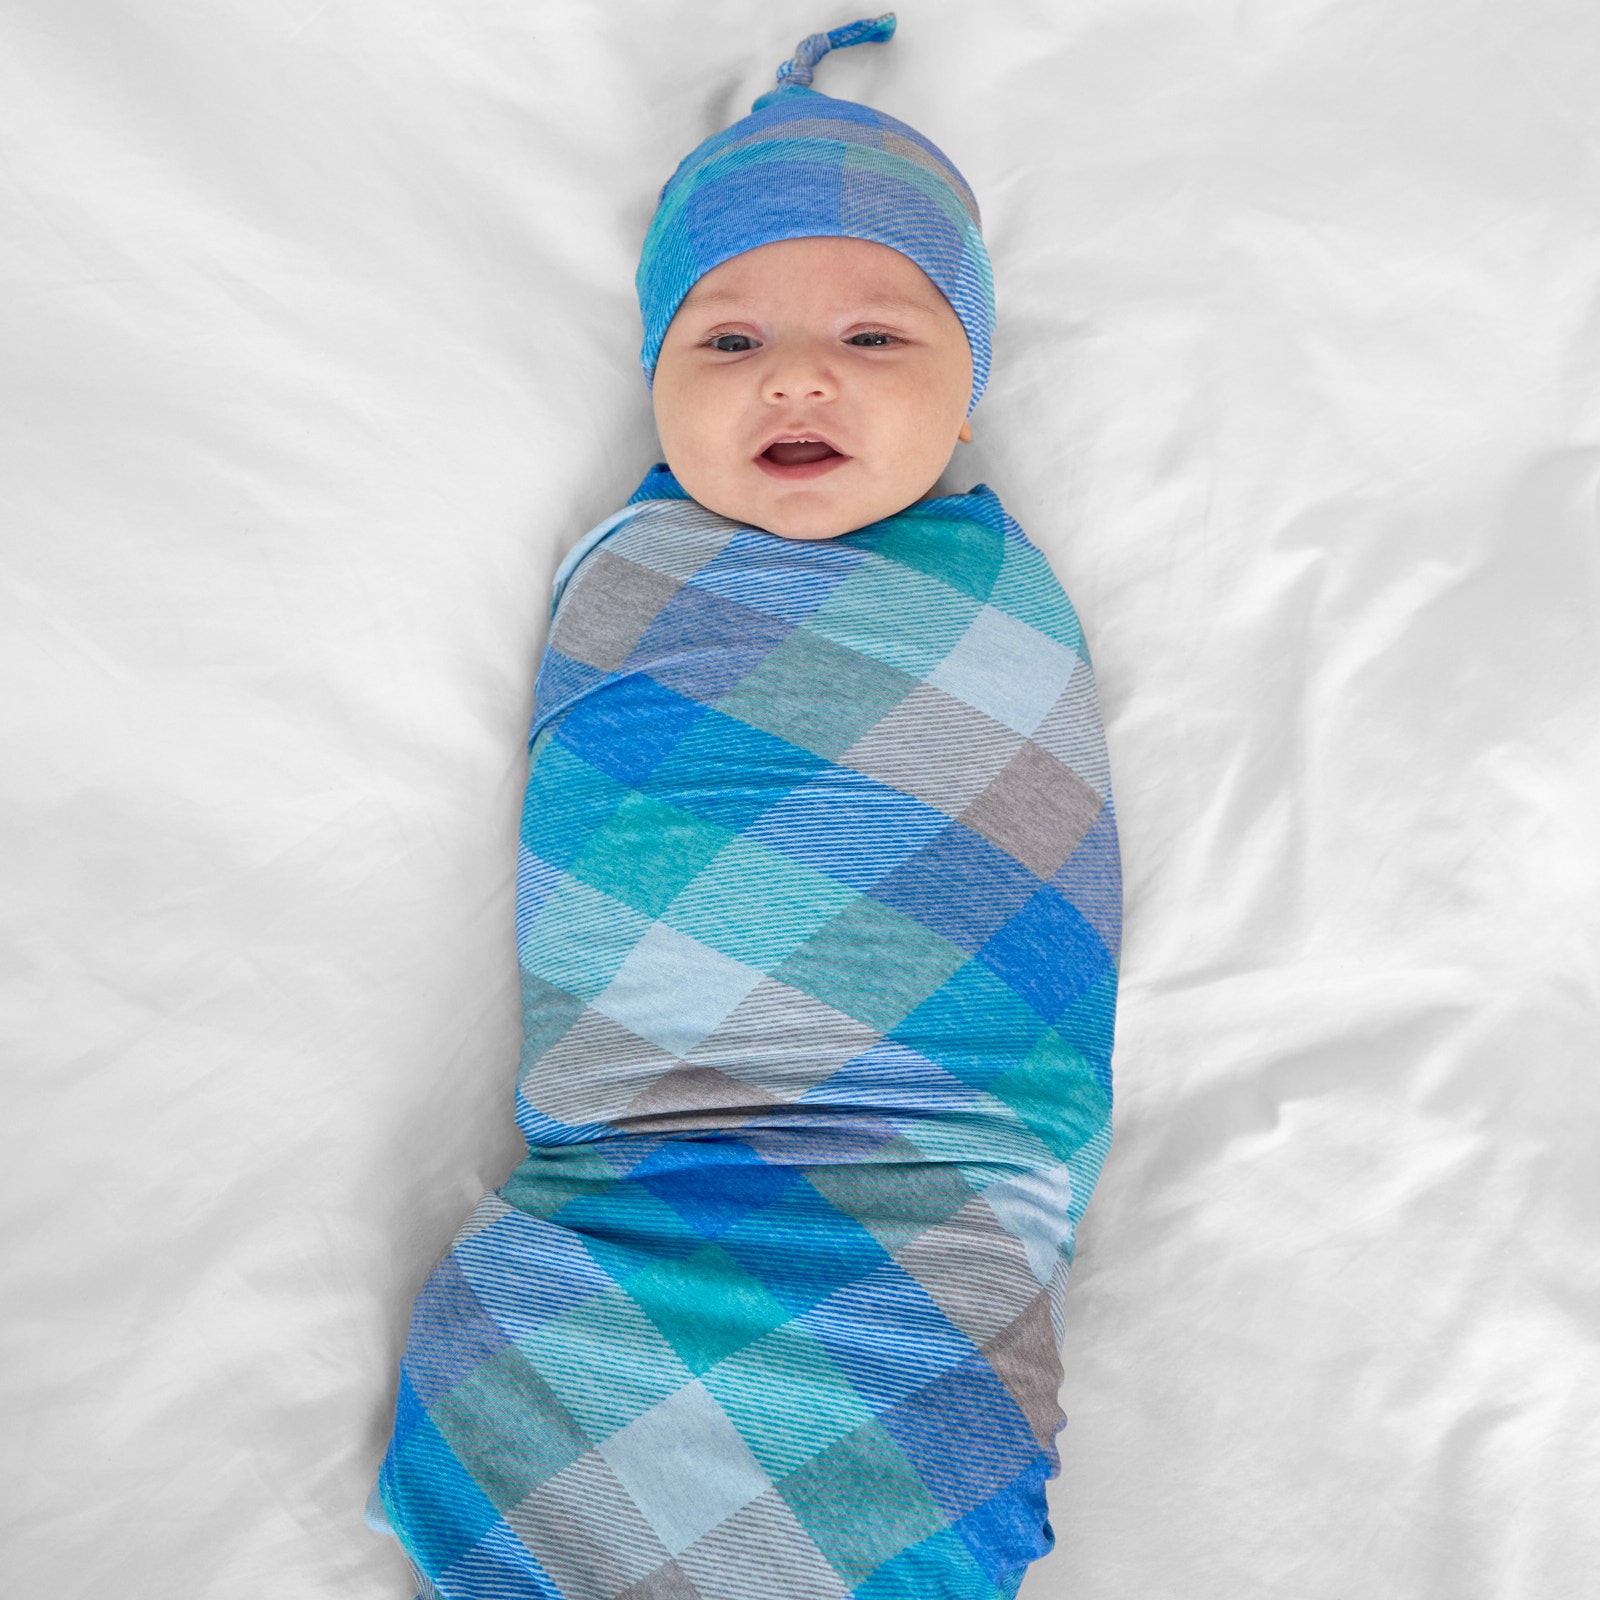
(838, 340)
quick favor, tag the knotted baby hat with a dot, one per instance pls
(803, 165)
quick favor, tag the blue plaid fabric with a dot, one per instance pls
(804, 165)
(818, 913)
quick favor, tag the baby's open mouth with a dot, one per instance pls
(799, 452)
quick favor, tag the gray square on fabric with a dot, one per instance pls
(972, 1269)
(585, 1531)
(934, 747)
(668, 1582)
(781, 694)
(783, 1042)
(691, 1097)
(792, 1567)
(593, 1070)
(675, 538)
(1071, 732)
(1036, 810)
(1020, 1355)
(604, 613)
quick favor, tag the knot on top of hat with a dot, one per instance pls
(796, 72)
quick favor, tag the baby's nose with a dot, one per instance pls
(799, 376)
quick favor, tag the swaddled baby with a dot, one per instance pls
(818, 909)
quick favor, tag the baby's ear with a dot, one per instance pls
(965, 436)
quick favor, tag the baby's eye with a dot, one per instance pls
(741, 343)
(871, 341)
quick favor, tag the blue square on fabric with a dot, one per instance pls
(1091, 878)
(712, 1184)
(959, 885)
(886, 1335)
(445, 1512)
(452, 1334)
(527, 1270)
(727, 772)
(560, 679)
(1048, 953)
(1011, 1527)
(801, 1248)
(625, 732)
(701, 644)
(624, 1227)
(937, 1425)
(781, 580)
(848, 825)
(409, 1411)
(767, 212)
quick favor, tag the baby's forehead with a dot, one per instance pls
(799, 272)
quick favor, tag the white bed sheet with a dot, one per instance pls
(317, 350)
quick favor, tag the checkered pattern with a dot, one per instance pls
(818, 917)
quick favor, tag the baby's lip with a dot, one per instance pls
(794, 436)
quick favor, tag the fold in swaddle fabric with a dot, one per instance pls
(818, 910)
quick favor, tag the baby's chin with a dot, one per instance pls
(804, 517)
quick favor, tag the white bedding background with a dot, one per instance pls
(318, 349)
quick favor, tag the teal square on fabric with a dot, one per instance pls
(755, 905)
(974, 1026)
(1053, 1090)
(988, 1144)
(645, 852)
(550, 1178)
(1028, 590)
(872, 963)
(966, 556)
(816, 694)
(895, 1196)
(626, 1228)
(605, 1361)
(510, 1424)
(862, 1502)
(705, 1305)
(580, 938)
(866, 613)
(787, 1398)
(565, 801)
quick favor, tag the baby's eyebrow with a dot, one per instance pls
(868, 303)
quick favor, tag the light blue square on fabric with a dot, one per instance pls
(864, 615)
(673, 990)
(580, 938)
(754, 904)
(606, 1362)
(685, 1465)
(1005, 669)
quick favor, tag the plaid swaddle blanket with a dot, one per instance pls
(818, 908)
